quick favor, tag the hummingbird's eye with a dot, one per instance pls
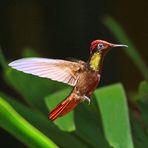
(100, 46)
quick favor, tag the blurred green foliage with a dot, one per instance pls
(104, 123)
(132, 52)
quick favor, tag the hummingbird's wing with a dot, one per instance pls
(59, 70)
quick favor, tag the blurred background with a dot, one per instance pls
(60, 29)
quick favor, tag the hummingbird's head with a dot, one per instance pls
(103, 46)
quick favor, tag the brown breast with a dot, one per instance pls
(87, 83)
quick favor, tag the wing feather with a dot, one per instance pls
(55, 69)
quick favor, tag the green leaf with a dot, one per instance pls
(132, 52)
(61, 138)
(113, 107)
(15, 124)
(66, 122)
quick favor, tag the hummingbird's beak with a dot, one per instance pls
(118, 45)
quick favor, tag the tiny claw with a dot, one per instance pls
(87, 99)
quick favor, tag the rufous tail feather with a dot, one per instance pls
(63, 108)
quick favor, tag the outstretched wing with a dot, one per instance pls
(59, 70)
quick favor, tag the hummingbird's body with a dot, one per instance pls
(83, 76)
(87, 82)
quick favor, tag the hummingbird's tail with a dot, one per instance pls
(64, 107)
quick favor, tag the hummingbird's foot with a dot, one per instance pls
(87, 99)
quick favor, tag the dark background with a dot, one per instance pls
(60, 29)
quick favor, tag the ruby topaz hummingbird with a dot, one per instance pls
(83, 76)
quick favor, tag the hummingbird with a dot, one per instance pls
(84, 77)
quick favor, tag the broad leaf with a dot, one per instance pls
(113, 107)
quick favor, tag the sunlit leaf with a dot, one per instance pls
(11, 121)
(113, 107)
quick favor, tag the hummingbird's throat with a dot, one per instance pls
(96, 60)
